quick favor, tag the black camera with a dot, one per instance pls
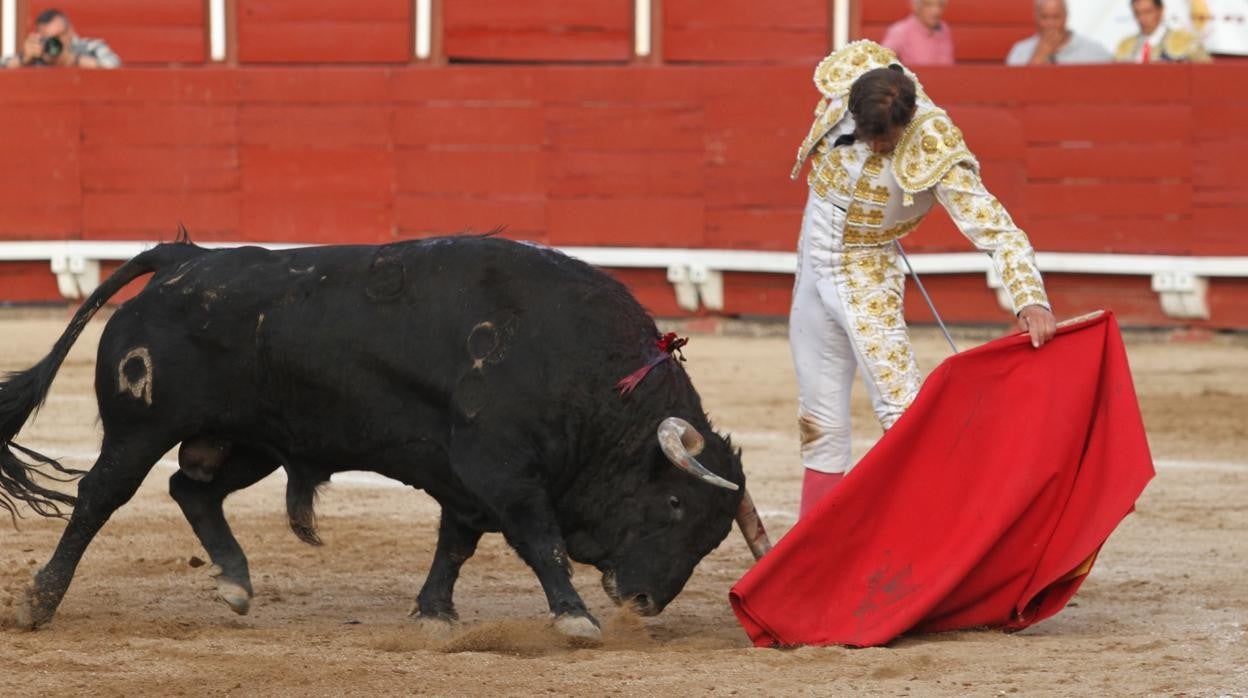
(52, 48)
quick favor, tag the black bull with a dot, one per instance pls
(479, 370)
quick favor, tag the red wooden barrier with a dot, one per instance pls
(140, 31)
(334, 31)
(744, 31)
(538, 30)
(1129, 159)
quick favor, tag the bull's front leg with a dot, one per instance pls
(535, 535)
(528, 522)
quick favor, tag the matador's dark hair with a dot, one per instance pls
(882, 99)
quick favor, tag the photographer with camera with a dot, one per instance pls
(54, 43)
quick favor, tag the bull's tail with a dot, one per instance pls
(23, 392)
(301, 491)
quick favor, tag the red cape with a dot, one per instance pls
(984, 505)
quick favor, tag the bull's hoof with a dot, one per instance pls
(436, 628)
(28, 613)
(234, 595)
(579, 629)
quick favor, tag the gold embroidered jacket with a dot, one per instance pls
(887, 196)
(1177, 46)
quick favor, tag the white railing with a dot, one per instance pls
(8, 27)
(641, 28)
(423, 28)
(217, 30)
(696, 275)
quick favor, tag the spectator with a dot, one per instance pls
(921, 38)
(1053, 42)
(1156, 43)
(54, 43)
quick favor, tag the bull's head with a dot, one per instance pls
(649, 538)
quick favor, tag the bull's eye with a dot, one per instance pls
(674, 502)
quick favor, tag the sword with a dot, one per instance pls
(919, 282)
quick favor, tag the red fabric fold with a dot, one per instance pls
(984, 505)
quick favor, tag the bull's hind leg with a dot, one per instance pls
(516, 496)
(202, 504)
(456, 543)
(113, 480)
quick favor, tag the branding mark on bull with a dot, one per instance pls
(482, 342)
(134, 374)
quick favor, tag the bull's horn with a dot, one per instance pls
(752, 527)
(680, 441)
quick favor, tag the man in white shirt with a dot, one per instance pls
(1053, 42)
(1157, 43)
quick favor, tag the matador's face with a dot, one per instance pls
(886, 143)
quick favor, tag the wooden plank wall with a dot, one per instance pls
(745, 31)
(538, 30)
(983, 30)
(1088, 158)
(142, 32)
(1126, 159)
(325, 31)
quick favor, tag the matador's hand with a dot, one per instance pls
(1037, 321)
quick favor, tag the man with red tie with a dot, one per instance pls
(1157, 43)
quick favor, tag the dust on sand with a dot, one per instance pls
(1165, 611)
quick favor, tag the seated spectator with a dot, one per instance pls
(1053, 42)
(1156, 43)
(54, 43)
(921, 38)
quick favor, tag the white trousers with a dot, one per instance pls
(847, 314)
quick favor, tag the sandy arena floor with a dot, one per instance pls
(1165, 611)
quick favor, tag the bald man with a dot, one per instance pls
(1054, 43)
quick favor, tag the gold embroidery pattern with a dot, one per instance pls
(874, 237)
(873, 287)
(828, 173)
(836, 74)
(982, 218)
(871, 171)
(826, 116)
(865, 192)
(929, 147)
(873, 166)
(867, 207)
(860, 215)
